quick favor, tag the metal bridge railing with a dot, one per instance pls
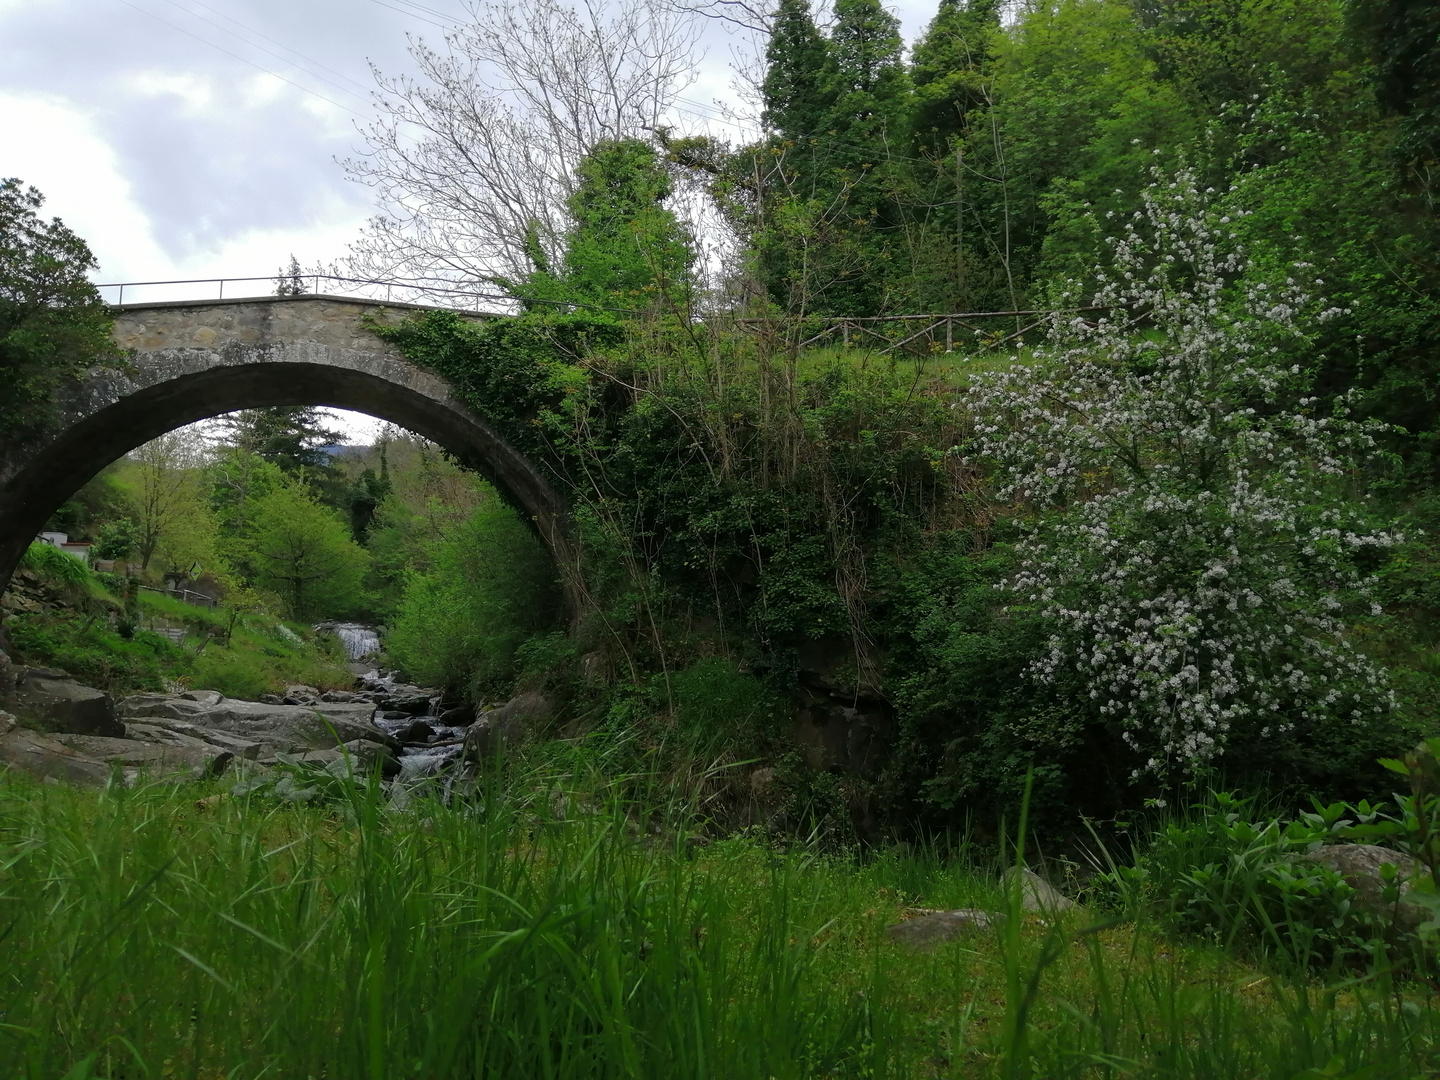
(244, 288)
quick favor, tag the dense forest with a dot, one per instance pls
(1160, 510)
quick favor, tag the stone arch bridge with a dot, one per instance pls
(194, 360)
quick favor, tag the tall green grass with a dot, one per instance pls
(549, 927)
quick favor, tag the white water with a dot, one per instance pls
(359, 641)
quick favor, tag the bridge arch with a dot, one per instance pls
(194, 360)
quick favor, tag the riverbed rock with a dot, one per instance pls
(363, 757)
(417, 731)
(459, 716)
(276, 728)
(191, 758)
(937, 927)
(301, 695)
(355, 712)
(166, 732)
(1360, 866)
(411, 700)
(496, 728)
(45, 756)
(8, 673)
(355, 758)
(50, 700)
(1037, 894)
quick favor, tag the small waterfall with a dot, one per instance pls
(359, 641)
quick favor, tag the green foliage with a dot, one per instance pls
(1215, 871)
(293, 437)
(95, 654)
(124, 653)
(489, 586)
(975, 731)
(515, 372)
(238, 480)
(55, 565)
(84, 513)
(53, 324)
(1400, 37)
(423, 496)
(116, 539)
(715, 699)
(625, 249)
(175, 527)
(948, 68)
(798, 87)
(305, 554)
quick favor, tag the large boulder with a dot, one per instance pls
(182, 733)
(8, 674)
(192, 758)
(1360, 865)
(496, 728)
(411, 700)
(43, 755)
(51, 701)
(1037, 894)
(276, 728)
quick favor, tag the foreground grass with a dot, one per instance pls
(545, 933)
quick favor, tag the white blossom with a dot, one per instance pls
(1189, 551)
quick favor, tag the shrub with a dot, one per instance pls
(55, 566)
(490, 587)
(1219, 872)
(96, 655)
(714, 699)
(1194, 552)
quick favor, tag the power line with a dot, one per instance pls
(365, 89)
(411, 13)
(220, 48)
(428, 10)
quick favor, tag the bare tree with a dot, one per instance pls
(756, 16)
(473, 161)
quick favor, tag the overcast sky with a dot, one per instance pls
(199, 138)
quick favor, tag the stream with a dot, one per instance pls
(427, 745)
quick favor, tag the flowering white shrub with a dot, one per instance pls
(1194, 551)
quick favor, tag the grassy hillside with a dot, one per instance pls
(123, 640)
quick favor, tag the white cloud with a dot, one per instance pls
(57, 148)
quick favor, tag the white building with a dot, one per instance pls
(80, 549)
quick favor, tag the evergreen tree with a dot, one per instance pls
(799, 75)
(949, 69)
(865, 137)
(366, 494)
(293, 437)
(868, 68)
(53, 324)
(290, 280)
